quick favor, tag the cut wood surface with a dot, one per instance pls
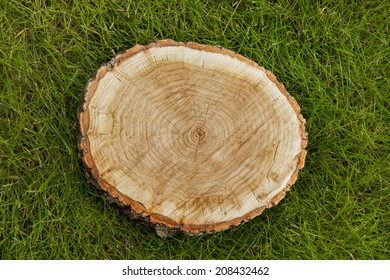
(190, 138)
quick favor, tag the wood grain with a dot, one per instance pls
(190, 138)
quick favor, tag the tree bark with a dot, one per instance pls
(190, 138)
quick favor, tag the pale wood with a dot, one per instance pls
(191, 138)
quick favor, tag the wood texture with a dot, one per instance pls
(190, 138)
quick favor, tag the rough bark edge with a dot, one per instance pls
(165, 226)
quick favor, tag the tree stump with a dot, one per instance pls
(190, 138)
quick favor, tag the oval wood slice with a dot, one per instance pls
(190, 138)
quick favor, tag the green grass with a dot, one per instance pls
(331, 56)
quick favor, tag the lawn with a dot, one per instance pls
(331, 56)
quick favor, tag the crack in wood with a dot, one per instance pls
(205, 115)
(273, 163)
(253, 192)
(200, 138)
(193, 109)
(165, 118)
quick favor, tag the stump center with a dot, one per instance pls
(201, 133)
